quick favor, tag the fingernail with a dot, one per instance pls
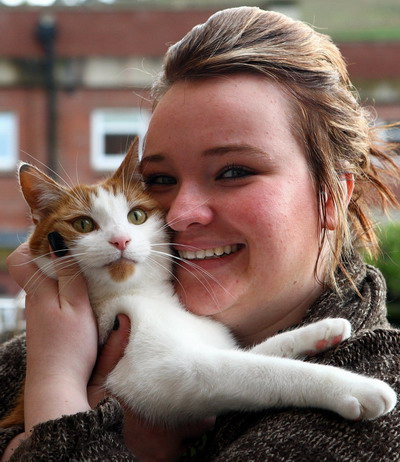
(57, 244)
(116, 323)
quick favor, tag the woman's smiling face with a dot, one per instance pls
(221, 158)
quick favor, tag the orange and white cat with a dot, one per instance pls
(179, 366)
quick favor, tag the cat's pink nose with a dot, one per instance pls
(120, 242)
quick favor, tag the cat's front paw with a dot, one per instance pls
(366, 399)
(306, 341)
(324, 334)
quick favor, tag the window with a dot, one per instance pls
(112, 131)
(393, 133)
(8, 141)
(390, 132)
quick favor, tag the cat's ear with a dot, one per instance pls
(128, 171)
(40, 191)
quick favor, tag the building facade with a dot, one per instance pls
(74, 90)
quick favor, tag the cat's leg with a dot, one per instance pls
(306, 341)
(184, 386)
(295, 383)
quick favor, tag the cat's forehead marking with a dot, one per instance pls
(133, 191)
(103, 194)
(107, 207)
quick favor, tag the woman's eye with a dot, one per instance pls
(159, 180)
(234, 171)
(84, 225)
(137, 216)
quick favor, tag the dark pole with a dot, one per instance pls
(46, 33)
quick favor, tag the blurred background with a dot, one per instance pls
(74, 81)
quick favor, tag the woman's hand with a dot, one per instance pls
(61, 337)
(108, 358)
(62, 343)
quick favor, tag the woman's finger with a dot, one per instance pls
(72, 289)
(108, 358)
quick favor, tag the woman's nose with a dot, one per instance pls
(189, 207)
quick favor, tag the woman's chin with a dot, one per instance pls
(204, 298)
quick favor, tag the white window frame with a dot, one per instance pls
(391, 135)
(132, 121)
(8, 141)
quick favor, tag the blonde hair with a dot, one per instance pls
(335, 130)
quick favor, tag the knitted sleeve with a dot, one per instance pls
(304, 435)
(12, 372)
(95, 435)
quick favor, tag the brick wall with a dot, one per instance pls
(81, 35)
(97, 32)
(73, 139)
(117, 35)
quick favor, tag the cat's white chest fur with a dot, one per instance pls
(178, 367)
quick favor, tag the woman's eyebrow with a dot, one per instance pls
(215, 151)
(153, 158)
(245, 149)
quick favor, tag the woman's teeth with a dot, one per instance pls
(208, 253)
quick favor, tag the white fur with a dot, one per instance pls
(179, 366)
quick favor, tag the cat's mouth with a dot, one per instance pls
(121, 261)
(207, 254)
(121, 269)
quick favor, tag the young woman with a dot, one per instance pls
(257, 146)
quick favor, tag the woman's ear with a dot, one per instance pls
(347, 183)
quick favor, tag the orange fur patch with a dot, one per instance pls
(121, 270)
(16, 416)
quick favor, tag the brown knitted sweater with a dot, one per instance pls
(289, 435)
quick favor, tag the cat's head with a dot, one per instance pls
(113, 229)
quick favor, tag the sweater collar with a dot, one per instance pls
(366, 310)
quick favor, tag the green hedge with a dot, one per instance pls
(388, 262)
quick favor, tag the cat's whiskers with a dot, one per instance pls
(203, 278)
(45, 166)
(183, 215)
(151, 261)
(190, 263)
(134, 177)
(70, 184)
(53, 172)
(76, 197)
(32, 260)
(67, 262)
(79, 197)
(38, 277)
(206, 274)
(35, 281)
(76, 169)
(174, 244)
(76, 275)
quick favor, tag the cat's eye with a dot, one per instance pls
(137, 216)
(84, 224)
